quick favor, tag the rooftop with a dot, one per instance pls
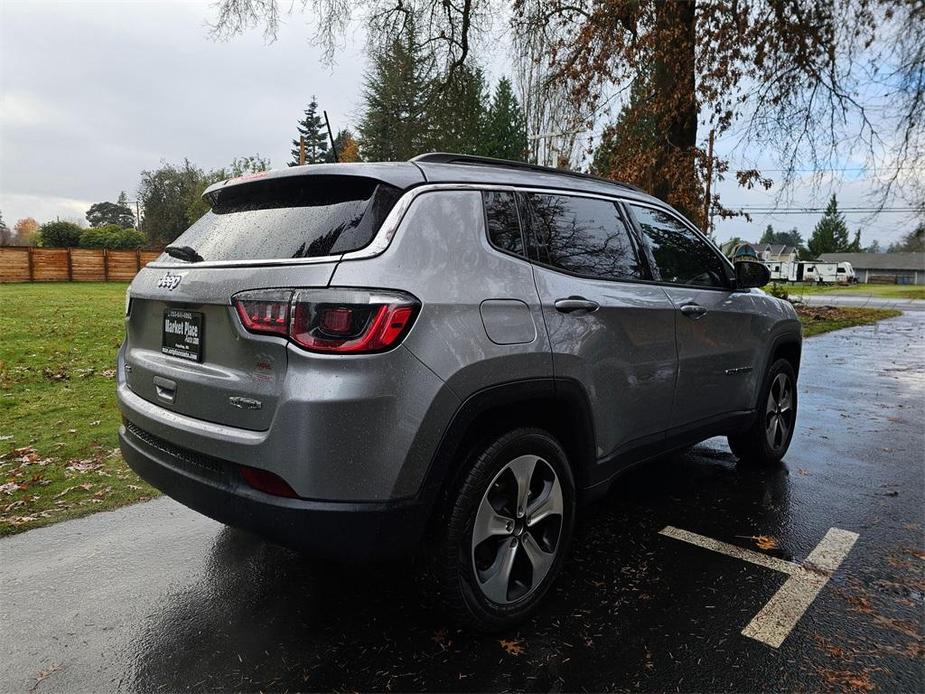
(441, 167)
(878, 261)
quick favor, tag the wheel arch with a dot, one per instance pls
(787, 344)
(789, 348)
(558, 406)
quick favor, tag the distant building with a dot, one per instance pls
(883, 268)
(777, 253)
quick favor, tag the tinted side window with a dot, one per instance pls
(586, 236)
(503, 224)
(680, 256)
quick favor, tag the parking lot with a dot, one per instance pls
(154, 597)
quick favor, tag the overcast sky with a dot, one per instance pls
(92, 93)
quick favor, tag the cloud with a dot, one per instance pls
(43, 207)
(23, 109)
(94, 93)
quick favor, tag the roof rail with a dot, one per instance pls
(450, 158)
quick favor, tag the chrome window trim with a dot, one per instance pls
(266, 262)
(390, 226)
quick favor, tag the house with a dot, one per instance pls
(884, 268)
(777, 253)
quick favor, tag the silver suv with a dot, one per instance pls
(351, 358)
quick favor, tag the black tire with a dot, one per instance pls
(763, 443)
(464, 564)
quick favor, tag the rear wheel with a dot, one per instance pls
(509, 529)
(768, 439)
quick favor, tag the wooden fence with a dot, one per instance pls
(18, 264)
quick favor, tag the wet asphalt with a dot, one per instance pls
(154, 597)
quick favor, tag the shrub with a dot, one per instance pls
(779, 291)
(113, 237)
(59, 235)
(128, 239)
(98, 237)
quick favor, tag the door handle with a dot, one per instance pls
(693, 311)
(574, 304)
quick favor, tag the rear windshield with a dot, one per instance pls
(298, 217)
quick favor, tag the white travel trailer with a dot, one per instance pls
(782, 270)
(845, 274)
(821, 273)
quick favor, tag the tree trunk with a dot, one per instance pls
(674, 167)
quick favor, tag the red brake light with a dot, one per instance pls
(341, 321)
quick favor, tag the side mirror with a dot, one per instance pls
(751, 274)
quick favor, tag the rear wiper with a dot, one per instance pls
(183, 253)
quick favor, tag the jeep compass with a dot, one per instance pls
(355, 359)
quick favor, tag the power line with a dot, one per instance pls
(816, 210)
(824, 169)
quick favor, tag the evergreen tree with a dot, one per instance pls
(638, 128)
(855, 246)
(312, 128)
(831, 233)
(396, 93)
(457, 116)
(782, 238)
(505, 133)
(874, 247)
(913, 242)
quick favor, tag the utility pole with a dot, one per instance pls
(301, 150)
(707, 222)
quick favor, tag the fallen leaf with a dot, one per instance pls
(82, 466)
(761, 541)
(512, 647)
(44, 675)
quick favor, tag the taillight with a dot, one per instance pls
(339, 321)
(264, 311)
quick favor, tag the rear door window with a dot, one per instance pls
(295, 217)
(583, 236)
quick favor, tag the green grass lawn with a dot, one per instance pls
(883, 291)
(822, 319)
(58, 417)
(59, 455)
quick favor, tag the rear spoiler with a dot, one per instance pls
(401, 175)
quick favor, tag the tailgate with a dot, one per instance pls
(225, 375)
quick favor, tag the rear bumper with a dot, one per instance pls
(356, 532)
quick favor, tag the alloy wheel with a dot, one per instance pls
(515, 536)
(779, 412)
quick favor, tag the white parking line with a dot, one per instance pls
(787, 567)
(782, 612)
